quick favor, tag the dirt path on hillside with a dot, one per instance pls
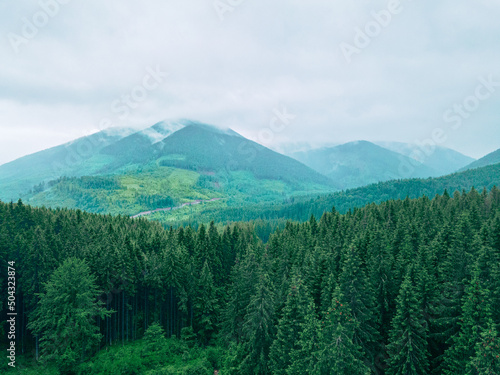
(198, 201)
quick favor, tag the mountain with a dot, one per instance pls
(207, 149)
(201, 148)
(441, 159)
(491, 158)
(172, 164)
(137, 148)
(361, 163)
(75, 158)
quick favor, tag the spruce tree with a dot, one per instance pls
(486, 360)
(476, 315)
(258, 327)
(302, 357)
(408, 351)
(289, 327)
(206, 306)
(65, 316)
(357, 294)
(337, 353)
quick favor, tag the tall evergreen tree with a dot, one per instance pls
(486, 360)
(65, 315)
(206, 306)
(408, 351)
(357, 294)
(303, 356)
(258, 326)
(289, 327)
(476, 315)
(337, 352)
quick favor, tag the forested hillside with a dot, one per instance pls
(403, 287)
(301, 208)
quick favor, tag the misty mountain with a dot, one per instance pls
(441, 159)
(171, 163)
(361, 163)
(75, 158)
(203, 148)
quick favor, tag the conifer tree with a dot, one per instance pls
(65, 315)
(486, 360)
(357, 294)
(289, 327)
(244, 277)
(206, 306)
(302, 357)
(258, 327)
(408, 351)
(337, 352)
(476, 315)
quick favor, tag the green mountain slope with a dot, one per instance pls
(210, 156)
(77, 158)
(301, 208)
(138, 148)
(203, 148)
(361, 163)
(196, 162)
(491, 158)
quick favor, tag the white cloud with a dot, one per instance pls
(234, 73)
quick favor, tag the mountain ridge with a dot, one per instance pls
(360, 163)
(489, 159)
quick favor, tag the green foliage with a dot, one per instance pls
(289, 328)
(337, 352)
(300, 207)
(258, 326)
(154, 338)
(404, 286)
(486, 360)
(408, 349)
(64, 319)
(171, 356)
(206, 305)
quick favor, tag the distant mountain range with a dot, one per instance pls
(442, 160)
(362, 163)
(173, 162)
(207, 149)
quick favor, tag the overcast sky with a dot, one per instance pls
(335, 71)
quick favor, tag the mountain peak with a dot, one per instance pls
(210, 128)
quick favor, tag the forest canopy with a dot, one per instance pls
(406, 286)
